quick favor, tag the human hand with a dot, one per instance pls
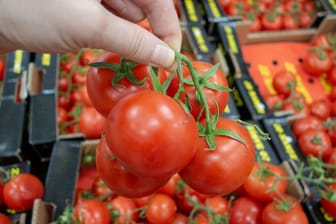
(66, 26)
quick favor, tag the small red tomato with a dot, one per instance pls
(284, 82)
(21, 191)
(4, 219)
(321, 109)
(92, 211)
(317, 62)
(161, 209)
(331, 76)
(91, 123)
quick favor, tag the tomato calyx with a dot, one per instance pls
(284, 204)
(122, 70)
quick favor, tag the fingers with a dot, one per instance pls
(125, 9)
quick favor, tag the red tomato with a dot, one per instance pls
(102, 93)
(75, 97)
(317, 62)
(294, 213)
(260, 183)
(284, 82)
(271, 21)
(85, 99)
(236, 8)
(63, 102)
(328, 205)
(306, 123)
(290, 23)
(21, 191)
(2, 69)
(155, 129)
(245, 210)
(188, 197)
(216, 99)
(62, 115)
(323, 40)
(92, 211)
(126, 208)
(274, 102)
(89, 55)
(316, 143)
(295, 103)
(293, 6)
(309, 6)
(67, 61)
(225, 3)
(321, 109)
(91, 123)
(4, 219)
(170, 188)
(331, 76)
(79, 77)
(161, 209)
(305, 19)
(101, 190)
(218, 204)
(208, 174)
(180, 218)
(126, 184)
(63, 84)
(1, 193)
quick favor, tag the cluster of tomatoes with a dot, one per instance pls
(18, 194)
(271, 15)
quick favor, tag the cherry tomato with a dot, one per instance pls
(91, 123)
(294, 213)
(217, 100)
(208, 174)
(316, 143)
(217, 204)
(290, 23)
(188, 197)
(63, 83)
(284, 82)
(331, 76)
(262, 180)
(62, 115)
(89, 55)
(4, 219)
(170, 188)
(126, 209)
(317, 62)
(101, 190)
(1, 193)
(161, 209)
(126, 184)
(293, 6)
(271, 21)
(295, 103)
(102, 93)
(305, 19)
(155, 129)
(323, 40)
(67, 61)
(92, 211)
(245, 210)
(328, 205)
(180, 218)
(21, 191)
(306, 123)
(63, 102)
(274, 102)
(79, 77)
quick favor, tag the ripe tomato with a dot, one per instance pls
(306, 123)
(284, 82)
(67, 61)
(4, 219)
(317, 62)
(329, 206)
(170, 188)
(92, 211)
(21, 191)
(91, 123)
(305, 19)
(79, 77)
(89, 55)
(262, 180)
(188, 197)
(295, 103)
(245, 210)
(274, 102)
(323, 40)
(126, 208)
(218, 204)
(293, 6)
(155, 131)
(180, 218)
(102, 93)
(101, 190)
(62, 115)
(290, 23)
(271, 21)
(316, 143)
(216, 99)
(126, 184)
(63, 102)
(294, 213)
(321, 109)
(1, 193)
(331, 76)
(63, 84)
(85, 99)
(2, 69)
(161, 208)
(219, 171)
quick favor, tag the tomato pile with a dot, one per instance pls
(272, 15)
(18, 194)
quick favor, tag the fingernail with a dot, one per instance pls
(162, 56)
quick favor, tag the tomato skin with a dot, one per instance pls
(161, 209)
(290, 23)
(2, 69)
(126, 208)
(187, 198)
(259, 187)
(309, 122)
(4, 219)
(271, 22)
(316, 143)
(166, 131)
(100, 189)
(63, 83)
(218, 204)
(217, 100)
(127, 184)
(208, 174)
(85, 99)
(331, 76)
(63, 102)
(91, 123)
(180, 218)
(88, 56)
(170, 188)
(62, 115)
(296, 215)
(305, 19)
(329, 206)
(99, 83)
(1, 193)
(92, 211)
(21, 191)
(284, 82)
(317, 63)
(245, 210)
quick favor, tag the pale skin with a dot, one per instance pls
(58, 26)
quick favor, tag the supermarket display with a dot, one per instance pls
(243, 132)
